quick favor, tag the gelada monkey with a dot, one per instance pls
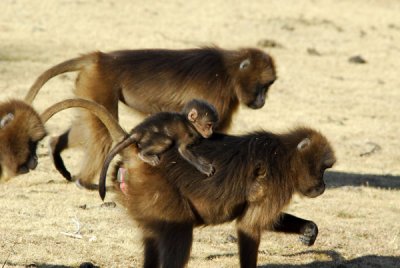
(160, 131)
(255, 179)
(21, 129)
(152, 81)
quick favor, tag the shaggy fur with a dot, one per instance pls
(256, 177)
(152, 81)
(19, 136)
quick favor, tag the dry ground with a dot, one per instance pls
(353, 104)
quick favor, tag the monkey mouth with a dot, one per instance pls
(315, 190)
(22, 170)
(256, 105)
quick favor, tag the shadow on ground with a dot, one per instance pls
(336, 179)
(339, 262)
(46, 265)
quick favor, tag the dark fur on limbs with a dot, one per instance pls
(152, 81)
(256, 177)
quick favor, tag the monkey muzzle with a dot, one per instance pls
(31, 164)
(315, 190)
(258, 103)
(260, 98)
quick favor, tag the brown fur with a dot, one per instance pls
(19, 136)
(152, 81)
(159, 132)
(256, 177)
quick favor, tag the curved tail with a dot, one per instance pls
(114, 151)
(116, 131)
(71, 65)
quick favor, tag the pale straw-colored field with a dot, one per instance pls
(355, 105)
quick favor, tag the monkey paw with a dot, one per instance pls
(209, 170)
(310, 233)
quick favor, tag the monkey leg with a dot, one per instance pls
(56, 146)
(151, 257)
(93, 84)
(96, 144)
(200, 163)
(152, 148)
(175, 243)
(249, 241)
(288, 223)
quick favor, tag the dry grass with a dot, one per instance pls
(355, 105)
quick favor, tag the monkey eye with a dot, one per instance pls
(209, 125)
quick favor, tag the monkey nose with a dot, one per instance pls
(316, 190)
(23, 169)
(258, 103)
(32, 163)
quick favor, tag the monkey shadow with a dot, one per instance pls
(335, 179)
(47, 265)
(338, 261)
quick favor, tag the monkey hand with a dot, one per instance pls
(206, 168)
(309, 234)
(211, 170)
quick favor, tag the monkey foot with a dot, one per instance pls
(310, 234)
(84, 185)
(121, 179)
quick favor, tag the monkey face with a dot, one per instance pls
(202, 115)
(260, 95)
(204, 128)
(257, 74)
(20, 131)
(315, 160)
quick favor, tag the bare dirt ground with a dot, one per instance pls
(355, 105)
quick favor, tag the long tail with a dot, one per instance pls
(114, 151)
(116, 131)
(71, 65)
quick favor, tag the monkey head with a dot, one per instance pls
(314, 156)
(20, 131)
(255, 72)
(202, 115)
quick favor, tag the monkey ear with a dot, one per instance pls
(303, 144)
(6, 119)
(244, 64)
(192, 115)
